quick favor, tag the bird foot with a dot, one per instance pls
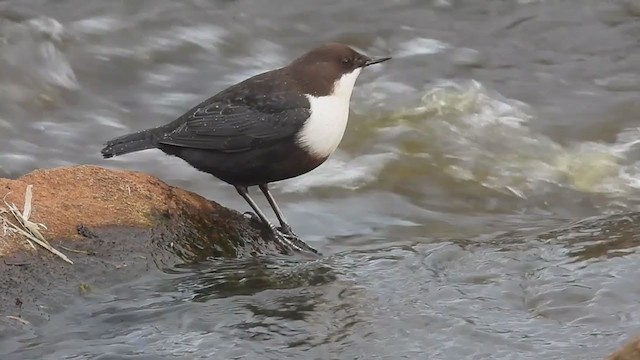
(287, 237)
(293, 241)
(286, 229)
(283, 234)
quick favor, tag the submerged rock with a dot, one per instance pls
(110, 222)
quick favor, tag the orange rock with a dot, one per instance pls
(630, 351)
(63, 198)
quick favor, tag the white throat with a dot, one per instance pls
(324, 129)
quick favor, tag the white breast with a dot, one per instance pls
(323, 131)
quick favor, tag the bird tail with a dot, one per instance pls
(142, 140)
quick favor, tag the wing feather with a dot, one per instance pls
(240, 124)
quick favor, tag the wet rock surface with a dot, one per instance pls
(113, 225)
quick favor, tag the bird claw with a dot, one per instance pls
(286, 230)
(283, 234)
(287, 237)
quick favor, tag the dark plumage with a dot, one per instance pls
(222, 131)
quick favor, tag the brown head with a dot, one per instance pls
(318, 70)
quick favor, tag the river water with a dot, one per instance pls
(481, 206)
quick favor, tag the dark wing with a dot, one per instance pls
(234, 124)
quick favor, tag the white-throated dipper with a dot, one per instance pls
(273, 126)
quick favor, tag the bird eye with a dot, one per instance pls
(346, 61)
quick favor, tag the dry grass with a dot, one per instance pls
(22, 226)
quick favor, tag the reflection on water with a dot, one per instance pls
(447, 298)
(482, 204)
(600, 238)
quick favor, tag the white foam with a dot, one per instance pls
(57, 69)
(420, 46)
(97, 25)
(474, 134)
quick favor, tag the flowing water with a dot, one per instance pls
(481, 206)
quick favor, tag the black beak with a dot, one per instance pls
(376, 61)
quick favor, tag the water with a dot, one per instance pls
(482, 203)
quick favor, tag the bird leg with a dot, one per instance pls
(285, 228)
(244, 192)
(283, 237)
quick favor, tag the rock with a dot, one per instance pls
(112, 224)
(91, 197)
(630, 351)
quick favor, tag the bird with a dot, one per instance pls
(273, 126)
